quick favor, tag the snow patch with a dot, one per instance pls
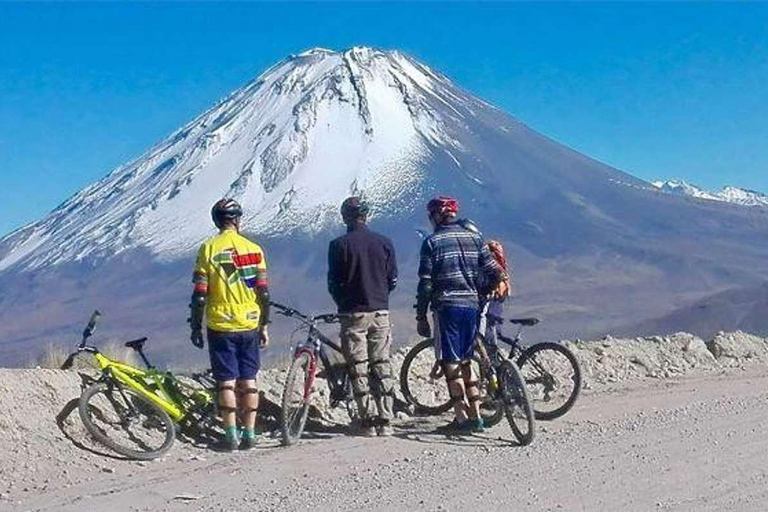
(729, 194)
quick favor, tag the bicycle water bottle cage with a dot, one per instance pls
(525, 321)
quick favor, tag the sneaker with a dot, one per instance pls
(477, 425)
(247, 443)
(454, 427)
(225, 445)
(368, 431)
(385, 430)
(364, 429)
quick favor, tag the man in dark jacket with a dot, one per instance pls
(455, 264)
(362, 271)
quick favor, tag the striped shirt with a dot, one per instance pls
(457, 262)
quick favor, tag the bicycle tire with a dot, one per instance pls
(531, 364)
(114, 397)
(514, 399)
(408, 388)
(294, 419)
(490, 410)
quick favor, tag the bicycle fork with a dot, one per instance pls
(311, 371)
(488, 369)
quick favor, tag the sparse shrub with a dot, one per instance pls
(52, 357)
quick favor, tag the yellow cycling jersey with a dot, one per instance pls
(229, 268)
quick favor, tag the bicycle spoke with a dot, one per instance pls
(296, 399)
(128, 424)
(550, 379)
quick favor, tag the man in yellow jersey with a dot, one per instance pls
(231, 291)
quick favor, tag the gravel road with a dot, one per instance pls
(692, 443)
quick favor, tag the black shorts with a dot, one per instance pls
(234, 355)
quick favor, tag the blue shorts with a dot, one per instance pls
(455, 331)
(234, 355)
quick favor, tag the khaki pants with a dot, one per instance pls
(367, 342)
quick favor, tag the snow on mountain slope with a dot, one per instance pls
(743, 196)
(682, 188)
(290, 145)
(729, 194)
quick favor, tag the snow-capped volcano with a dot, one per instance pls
(592, 247)
(290, 145)
(734, 195)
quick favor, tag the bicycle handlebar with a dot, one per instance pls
(71, 358)
(328, 318)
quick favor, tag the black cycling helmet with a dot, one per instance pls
(354, 208)
(225, 210)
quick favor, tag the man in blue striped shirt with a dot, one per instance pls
(456, 268)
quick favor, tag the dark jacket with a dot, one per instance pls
(362, 270)
(456, 267)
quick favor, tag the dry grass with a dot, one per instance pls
(53, 356)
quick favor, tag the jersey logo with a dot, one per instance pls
(239, 266)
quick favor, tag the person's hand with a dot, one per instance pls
(437, 371)
(196, 337)
(264, 338)
(423, 328)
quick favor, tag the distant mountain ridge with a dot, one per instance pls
(728, 194)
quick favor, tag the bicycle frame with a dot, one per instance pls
(313, 346)
(127, 375)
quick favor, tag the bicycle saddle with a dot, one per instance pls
(136, 345)
(525, 321)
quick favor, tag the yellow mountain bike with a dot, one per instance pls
(136, 412)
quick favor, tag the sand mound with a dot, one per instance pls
(613, 360)
(42, 432)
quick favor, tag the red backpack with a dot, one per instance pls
(504, 288)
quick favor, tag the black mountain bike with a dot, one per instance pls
(308, 355)
(551, 372)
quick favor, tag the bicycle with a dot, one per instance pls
(135, 412)
(303, 371)
(551, 372)
(505, 392)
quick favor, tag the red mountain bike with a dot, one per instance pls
(308, 356)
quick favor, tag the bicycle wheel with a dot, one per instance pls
(490, 408)
(514, 401)
(126, 422)
(295, 406)
(552, 377)
(428, 395)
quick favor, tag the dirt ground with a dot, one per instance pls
(690, 439)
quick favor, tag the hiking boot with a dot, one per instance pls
(385, 430)
(369, 431)
(364, 428)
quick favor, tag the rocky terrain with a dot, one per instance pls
(667, 423)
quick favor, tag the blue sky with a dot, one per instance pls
(658, 90)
